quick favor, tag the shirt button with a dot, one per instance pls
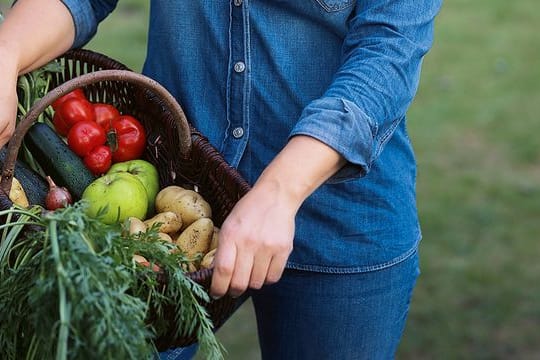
(237, 2)
(239, 67)
(238, 132)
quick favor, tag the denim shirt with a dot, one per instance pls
(250, 74)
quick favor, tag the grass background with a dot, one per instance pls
(474, 124)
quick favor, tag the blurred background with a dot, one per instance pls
(475, 124)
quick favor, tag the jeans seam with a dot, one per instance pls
(358, 269)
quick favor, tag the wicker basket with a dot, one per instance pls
(182, 155)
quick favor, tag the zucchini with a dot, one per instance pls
(57, 160)
(34, 184)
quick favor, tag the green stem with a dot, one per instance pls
(31, 161)
(23, 259)
(24, 84)
(21, 109)
(30, 213)
(9, 243)
(32, 349)
(89, 243)
(42, 92)
(63, 332)
(8, 221)
(18, 223)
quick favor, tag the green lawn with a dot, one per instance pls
(474, 126)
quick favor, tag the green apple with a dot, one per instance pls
(145, 172)
(121, 194)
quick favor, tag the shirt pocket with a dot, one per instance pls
(335, 5)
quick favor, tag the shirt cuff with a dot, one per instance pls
(83, 19)
(342, 125)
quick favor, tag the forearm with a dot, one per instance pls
(33, 33)
(257, 236)
(301, 167)
(378, 78)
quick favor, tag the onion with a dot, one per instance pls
(57, 197)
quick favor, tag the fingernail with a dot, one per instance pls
(215, 297)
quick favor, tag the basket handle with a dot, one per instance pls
(184, 132)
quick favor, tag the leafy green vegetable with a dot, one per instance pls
(31, 88)
(34, 85)
(73, 291)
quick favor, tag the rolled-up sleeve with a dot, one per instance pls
(374, 86)
(87, 15)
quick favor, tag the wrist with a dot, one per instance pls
(9, 63)
(278, 189)
(9, 48)
(300, 168)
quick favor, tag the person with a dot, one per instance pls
(308, 100)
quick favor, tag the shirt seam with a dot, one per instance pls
(385, 137)
(334, 8)
(246, 93)
(229, 75)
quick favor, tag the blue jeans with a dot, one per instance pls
(309, 315)
(187, 352)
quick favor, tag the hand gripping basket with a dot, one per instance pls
(182, 155)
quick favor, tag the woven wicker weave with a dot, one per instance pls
(182, 155)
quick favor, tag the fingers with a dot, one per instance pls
(241, 275)
(223, 269)
(252, 250)
(259, 272)
(276, 268)
(235, 271)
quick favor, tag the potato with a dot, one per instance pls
(141, 260)
(164, 196)
(187, 204)
(165, 237)
(192, 206)
(208, 260)
(169, 222)
(136, 225)
(196, 237)
(175, 235)
(189, 267)
(214, 242)
(17, 194)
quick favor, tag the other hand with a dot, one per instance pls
(254, 242)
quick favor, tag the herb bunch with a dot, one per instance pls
(73, 290)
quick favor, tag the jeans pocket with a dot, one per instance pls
(335, 5)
